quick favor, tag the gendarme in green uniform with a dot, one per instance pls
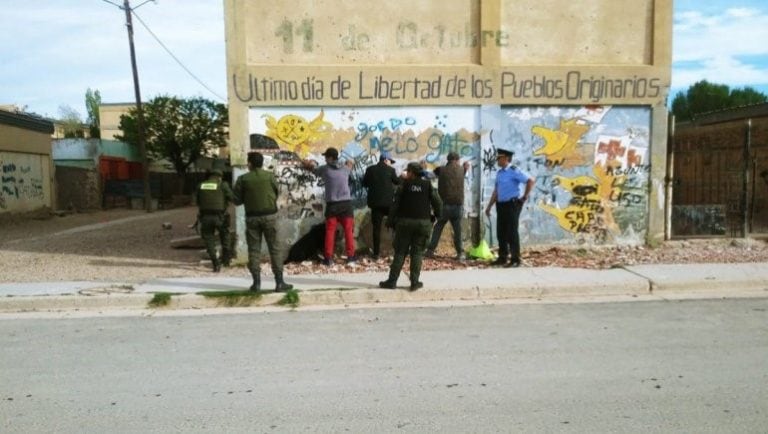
(415, 201)
(257, 192)
(213, 199)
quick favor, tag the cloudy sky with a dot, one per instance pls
(53, 50)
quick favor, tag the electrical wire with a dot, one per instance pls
(113, 4)
(176, 58)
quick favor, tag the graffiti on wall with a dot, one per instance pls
(592, 171)
(21, 182)
(424, 134)
(591, 164)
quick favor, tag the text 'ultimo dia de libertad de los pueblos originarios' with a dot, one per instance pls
(571, 86)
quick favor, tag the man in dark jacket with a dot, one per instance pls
(380, 180)
(213, 199)
(414, 203)
(257, 191)
(450, 186)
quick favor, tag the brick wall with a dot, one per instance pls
(78, 188)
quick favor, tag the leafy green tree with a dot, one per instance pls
(747, 96)
(92, 103)
(178, 130)
(71, 121)
(703, 97)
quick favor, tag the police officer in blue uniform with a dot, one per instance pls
(509, 197)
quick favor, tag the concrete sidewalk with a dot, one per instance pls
(343, 289)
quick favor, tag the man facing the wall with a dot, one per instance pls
(380, 180)
(338, 202)
(450, 186)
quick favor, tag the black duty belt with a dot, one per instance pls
(211, 211)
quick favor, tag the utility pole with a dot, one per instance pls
(139, 111)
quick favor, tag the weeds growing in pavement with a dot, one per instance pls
(291, 298)
(238, 298)
(161, 299)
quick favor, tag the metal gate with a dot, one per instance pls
(720, 179)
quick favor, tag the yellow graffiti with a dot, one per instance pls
(590, 209)
(561, 146)
(294, 133)
(585, 186)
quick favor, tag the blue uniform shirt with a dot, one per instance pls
(508, 183)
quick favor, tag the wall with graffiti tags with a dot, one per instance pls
(592, 171)
(424, 134)
(591, 163)
(24, 182)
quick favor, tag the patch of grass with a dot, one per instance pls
(291, 298)
(161, 299)
(236, 298)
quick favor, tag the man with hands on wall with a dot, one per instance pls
(338, 202)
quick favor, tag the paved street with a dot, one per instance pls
(679, 366)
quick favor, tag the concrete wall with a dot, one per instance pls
(109, 118)
(25, 182)
(26, 168)
(592, 169)
(591, 164)
(92, 149)
(576, 89)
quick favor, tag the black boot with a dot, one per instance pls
(388, 284)
(216, 265)
(256, 287)
(280, 285)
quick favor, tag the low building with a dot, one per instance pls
(26, 167)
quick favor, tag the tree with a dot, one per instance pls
(179, 130)
(703, 97)
(747, 96)
(71, 121)
(92, 103)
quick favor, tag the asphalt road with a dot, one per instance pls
(682, 366)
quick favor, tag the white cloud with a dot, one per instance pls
(742, 12)
(699, 37)
(54, 50)
(726, 46)
(725, 70)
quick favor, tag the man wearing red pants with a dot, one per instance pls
(338, 202)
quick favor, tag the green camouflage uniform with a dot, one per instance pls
(213, 199)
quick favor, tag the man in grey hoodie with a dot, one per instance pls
(338, 202)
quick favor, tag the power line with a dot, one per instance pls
(113, 4)
(176, 58)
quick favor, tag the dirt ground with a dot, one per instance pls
(132, 246)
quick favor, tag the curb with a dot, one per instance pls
(703, 277)
(317, 297)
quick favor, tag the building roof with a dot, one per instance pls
(730, 114)
(26, 121)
